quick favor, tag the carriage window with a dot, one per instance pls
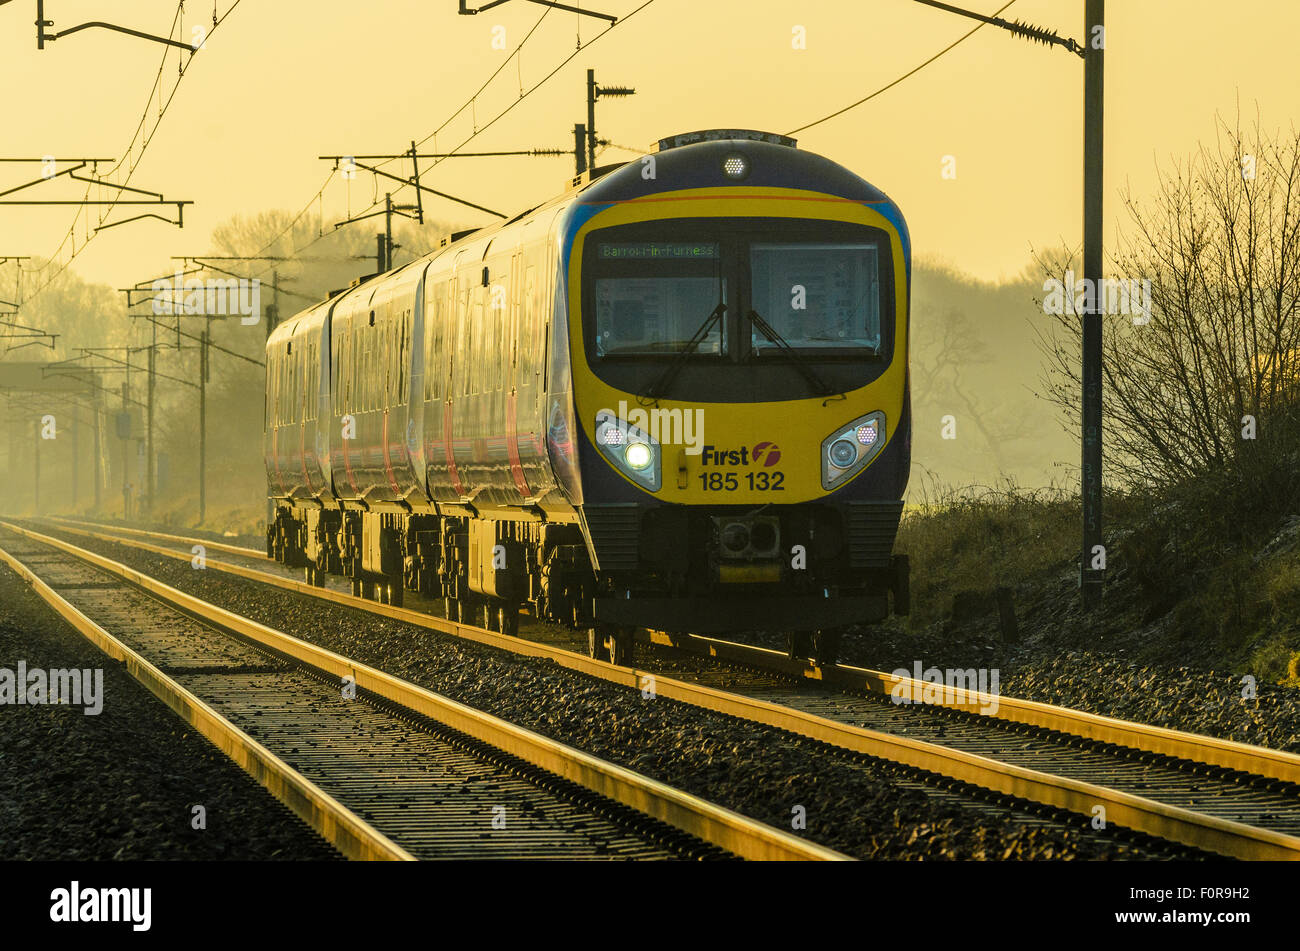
(652, 297)
(817, 296)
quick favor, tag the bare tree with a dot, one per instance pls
(1206, 384)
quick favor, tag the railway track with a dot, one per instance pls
(379, 767)
(1219, 796)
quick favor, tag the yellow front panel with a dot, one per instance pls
(794, 428)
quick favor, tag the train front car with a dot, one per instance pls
(738, 321)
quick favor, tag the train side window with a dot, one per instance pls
(403, 373)
(401, 358)
(464, 340)
(481, 338)
(447, 337)
(386, 358)
(367, 381)
(433, 314)
(310, 413)
(529, 334)
(473, 317)
(351, 369)
(494, 338)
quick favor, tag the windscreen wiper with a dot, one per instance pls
(819, 385)
(659, 386)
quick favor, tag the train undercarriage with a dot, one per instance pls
(486, 571)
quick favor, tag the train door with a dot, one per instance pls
(513, 328)
(415, 384)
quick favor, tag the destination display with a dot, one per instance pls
(658, 251)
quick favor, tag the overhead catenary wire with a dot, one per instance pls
(127, 153)
(911, 72)
(467, 104)
(477, 130)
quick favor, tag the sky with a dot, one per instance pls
(279, 83)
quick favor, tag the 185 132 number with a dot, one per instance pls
(755, 481)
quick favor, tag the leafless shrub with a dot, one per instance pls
(1220, 244)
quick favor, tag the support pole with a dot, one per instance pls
(126, 458)
(98, 470)
(148, 450)
(36, 463)
(1093, 85)
(580, 147)
(203, 425)
(76, 462)
(388, 232)
(591, 118)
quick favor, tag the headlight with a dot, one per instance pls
(735, 166)
(629, 450)
(847, 451)
(638, 455)
(843, 454)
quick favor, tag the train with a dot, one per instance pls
(674, 397)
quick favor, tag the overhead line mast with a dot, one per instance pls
(1092, 559)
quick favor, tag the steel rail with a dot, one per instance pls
(724, 828)
(1162, 820)
(1208, 750)
(349, 833)
(143, 533)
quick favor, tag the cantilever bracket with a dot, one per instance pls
(42, 36)
(465, 11)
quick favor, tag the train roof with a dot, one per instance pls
(687, 160)
(751, 158)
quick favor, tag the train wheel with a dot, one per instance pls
(596, 648)
(621, 640)
(396, 593)
(358, 591)
(826, 647)
(801, 645)
(449, 609)
(508, 619)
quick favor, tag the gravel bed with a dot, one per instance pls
(1101, 665)
(857, 808)
(1057, 662)
(120, 784)
(1181, 698)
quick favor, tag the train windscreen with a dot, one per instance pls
(817, 295)
(654, 298)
